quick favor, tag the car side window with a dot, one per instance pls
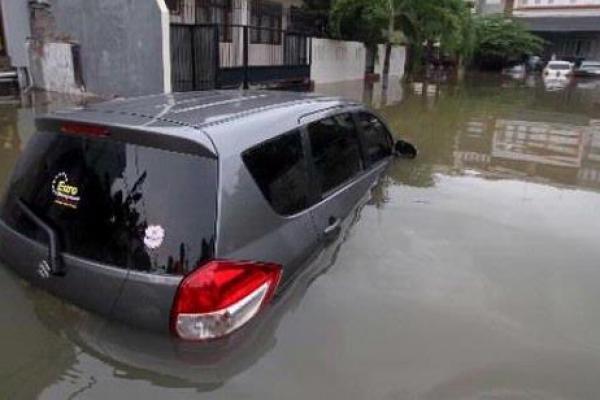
(336, 150)
(377, 139)
(279, 168)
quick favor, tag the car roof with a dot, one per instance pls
(198, 115)
(202, 109)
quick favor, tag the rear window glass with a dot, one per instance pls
(120, 204)
(279, 169)
(336, 151)
(378, 142)
(559, 67)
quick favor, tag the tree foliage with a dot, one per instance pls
(502, 42)
(493, 41)
(447, 22)
(360, 20)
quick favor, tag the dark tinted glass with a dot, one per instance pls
(279, 169)
(378, 142)
(119, 204)
(336, 150)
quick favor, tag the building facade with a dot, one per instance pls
(136, 47)
(570, 27)
(490, 7)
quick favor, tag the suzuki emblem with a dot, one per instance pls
(44, 269)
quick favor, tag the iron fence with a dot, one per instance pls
(205, 56)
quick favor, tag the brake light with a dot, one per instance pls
(221, 296)
(83, 129)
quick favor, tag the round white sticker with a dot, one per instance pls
(154, 236)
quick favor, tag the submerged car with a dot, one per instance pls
(588, 69)
(558, 69)
(188, 212)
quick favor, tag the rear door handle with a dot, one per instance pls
(334, 228)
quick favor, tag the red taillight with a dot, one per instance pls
(221, 296)
(72, 128)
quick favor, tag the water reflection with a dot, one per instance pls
(366, 92)
(515, 132)
(470, 273)
(556, 84)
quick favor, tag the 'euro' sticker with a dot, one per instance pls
(65, 193)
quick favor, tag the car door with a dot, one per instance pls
(340, 175)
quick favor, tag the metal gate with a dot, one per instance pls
(194, 57)
(209, 56)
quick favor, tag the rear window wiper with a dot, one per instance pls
(56, 267)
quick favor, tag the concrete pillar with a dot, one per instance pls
(166, 44)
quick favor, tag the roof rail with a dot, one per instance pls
(327, 109)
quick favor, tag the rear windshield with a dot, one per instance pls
(559, 67)
(115, 203)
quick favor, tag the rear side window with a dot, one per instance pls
(336, 151)
(120, 204)
(279, 169)
(377, 139)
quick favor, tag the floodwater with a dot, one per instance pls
(472, 272)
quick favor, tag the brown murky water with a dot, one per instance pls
(472, 273)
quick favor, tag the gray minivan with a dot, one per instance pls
(187, 212)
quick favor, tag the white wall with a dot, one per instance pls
(397, 60)
(52, 68)
(543, 8)
(16, 30)
(336, 61)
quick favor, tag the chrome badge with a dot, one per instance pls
(44, 269)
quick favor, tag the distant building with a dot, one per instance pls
(489, 7)
(571, 27)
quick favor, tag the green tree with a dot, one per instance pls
(502, 42)
(360, 20)
(447, 22)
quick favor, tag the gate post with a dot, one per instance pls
(246, 42)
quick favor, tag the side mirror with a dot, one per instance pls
(405, 150)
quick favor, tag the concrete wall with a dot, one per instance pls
(15, 15)
(338, 61)
(123, 43)
(397, 60)
(52, 68)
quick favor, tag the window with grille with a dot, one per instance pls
(265, 21)
(174, 6)
(216, 12)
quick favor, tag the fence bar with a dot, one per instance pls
(216, 55)
(246, 43)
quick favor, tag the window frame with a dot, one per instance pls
(210, 8)
(262, 11)
(307, 161)
(363, 136)
(315, 197)
(321, 196)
